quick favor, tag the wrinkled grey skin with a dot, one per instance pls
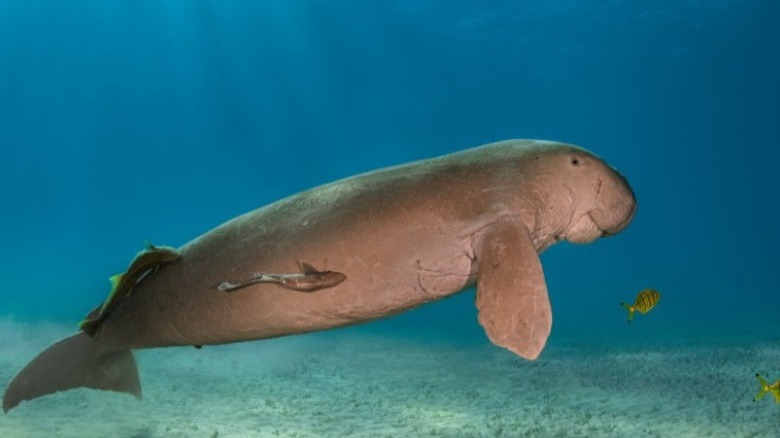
(403, 236)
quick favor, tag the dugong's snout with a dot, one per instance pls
(615, 204)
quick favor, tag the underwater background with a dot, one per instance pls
(130, 121)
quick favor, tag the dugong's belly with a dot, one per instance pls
(390, 267)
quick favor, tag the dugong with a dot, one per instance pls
(388, 240)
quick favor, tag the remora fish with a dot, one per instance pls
(308, 280)
(144, 263)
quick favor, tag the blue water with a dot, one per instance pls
(126, 121)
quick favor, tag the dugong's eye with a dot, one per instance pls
(575, 161)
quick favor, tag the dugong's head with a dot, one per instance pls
(560, 192)
(584, 198)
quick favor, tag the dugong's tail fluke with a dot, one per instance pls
(74, 362)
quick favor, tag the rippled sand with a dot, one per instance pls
(350, 383)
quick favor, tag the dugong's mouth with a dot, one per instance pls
(616, 224)
(615, 207)
(585, 230)
(596, 223)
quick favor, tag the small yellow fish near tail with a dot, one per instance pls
(774, 389)
(645, 300)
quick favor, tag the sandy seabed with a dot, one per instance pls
(350, 383)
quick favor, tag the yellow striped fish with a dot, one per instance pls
(645, 300)
(773, 389)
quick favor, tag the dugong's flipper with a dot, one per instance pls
(514, 308)
(73, 362)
